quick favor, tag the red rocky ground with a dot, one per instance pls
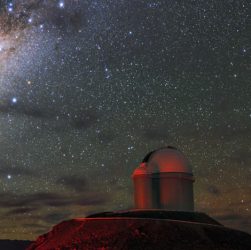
(121, 232)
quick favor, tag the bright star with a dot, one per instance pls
(14, 100)
(61, 4)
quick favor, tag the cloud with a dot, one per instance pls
(7, 168)
(229, 133)
(53, 218)
(213, 190)
(5, 107)
(246, 203)
(37, 200)
(64, 19)
(80, 120)
(229, 216)
(21, 211)
(18, 171)
(10, 200)
(157, 134)
(106, 137)
(84, 119)
(241, 222)
(242, 156)
(38, 229)
(21, 109)
(36, 113)
(95, 199)
(78, 184)
(33, 225)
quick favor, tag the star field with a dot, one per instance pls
(88, 88)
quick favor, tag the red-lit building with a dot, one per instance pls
(164, 180)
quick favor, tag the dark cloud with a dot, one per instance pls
(5, 107)
(53, 218)
(19, 171)
(42, 231)
(97, 199)
(229, 216)
(65, 20)
(81, 120)
(242, 156)
(6, 168)
(36, 113)
(230, 132)
(214, 190)
(10, 200)
(222, 131)
(84, 120)
(157, 134)
(106, 137)
(37, 228)
(78, 184)
(33, 225)
(242, 203)
(21, 211)
(240, 221)
(21, 109)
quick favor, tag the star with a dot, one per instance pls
(61, 4)
(10, 9)
(14, 100)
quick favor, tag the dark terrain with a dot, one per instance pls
(14, 244)
(143, 230)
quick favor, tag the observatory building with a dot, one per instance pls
(164, 180)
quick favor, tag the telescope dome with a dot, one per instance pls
(167, 160)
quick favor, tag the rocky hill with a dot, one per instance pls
(129, 230)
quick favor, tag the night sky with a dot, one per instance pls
(88, 88)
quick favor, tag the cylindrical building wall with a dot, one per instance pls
(176, 192)
(142, 192)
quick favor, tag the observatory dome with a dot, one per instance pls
(165, 160)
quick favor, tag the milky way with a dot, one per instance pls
(88, 88)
